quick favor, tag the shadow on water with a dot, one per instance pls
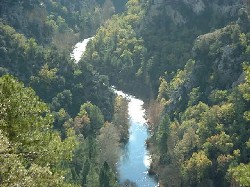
(135, 160)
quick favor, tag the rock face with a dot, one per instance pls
(184, 11)
(49, 21)
(27, 18)
(222, 7)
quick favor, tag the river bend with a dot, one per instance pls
(135, 159)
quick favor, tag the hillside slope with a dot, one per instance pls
(191, 59)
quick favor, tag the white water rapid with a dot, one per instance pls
(79, 49)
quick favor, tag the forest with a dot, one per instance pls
(61, 124)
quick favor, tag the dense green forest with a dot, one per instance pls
(62, 125)
(55, 114)
(190, 60)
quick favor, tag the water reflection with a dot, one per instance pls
(135, 160)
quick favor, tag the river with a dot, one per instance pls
(79, 49)
(135, 159)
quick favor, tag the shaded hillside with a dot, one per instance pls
(152, 37)
(207, 131)
(54, 21)
(170, 27)
(188, 58)
(58, 143)
(193, 58)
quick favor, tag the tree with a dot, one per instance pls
(121, 118)
(240, 175)
(154, 113)
(163, 91)
(107, 177)
(89, 120)
(108, 144)
(196, 168)
(245, 87)
(32, 152)
(161, 137)
(93, 178)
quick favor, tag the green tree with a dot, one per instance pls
(245, 88)
(90, 119)
(195, 170)
(32, 152)
(107, 177)
(240, 175)
(93, 178)
(161, 138)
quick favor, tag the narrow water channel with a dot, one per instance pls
(79, 49)
(135, 159)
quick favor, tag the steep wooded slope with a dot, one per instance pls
(189, 56)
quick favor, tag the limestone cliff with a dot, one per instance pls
(185, 11)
